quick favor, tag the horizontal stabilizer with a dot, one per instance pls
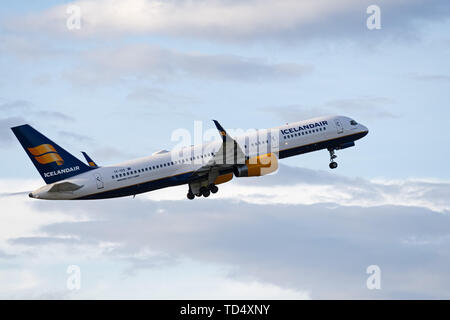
(64, 187)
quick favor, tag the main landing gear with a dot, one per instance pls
(204, 191)
(333, 164)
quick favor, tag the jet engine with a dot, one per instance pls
(257, 166)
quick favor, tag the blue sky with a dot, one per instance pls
(138, 70)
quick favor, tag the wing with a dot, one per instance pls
(224, 160)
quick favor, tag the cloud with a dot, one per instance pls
(19, 107)
(361, 107)
(56, 115)
(295, 185)
(323, 248)
(319, 244)
(5, 256)
(30, 49)
(370, 106)
(36, 241)
(15, 109)
(151, 62)
(74, 136)
(293, 20)
(13, 105)
(6, 135)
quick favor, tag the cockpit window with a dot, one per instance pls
(353, 122)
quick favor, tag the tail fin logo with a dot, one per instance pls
(46, 153)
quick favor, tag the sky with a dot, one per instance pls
(136, 71)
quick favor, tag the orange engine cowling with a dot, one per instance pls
(257, 166)
(223, 178)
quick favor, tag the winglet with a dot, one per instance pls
(91, 163)
(222, 131)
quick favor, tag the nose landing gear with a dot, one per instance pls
(333, 164)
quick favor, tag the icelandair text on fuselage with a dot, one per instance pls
(305, 127)
(61, 171)
(228, 309)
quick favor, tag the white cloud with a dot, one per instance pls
(17, 281)
(246, 245)
(239, 18)
(228, 20)
(364, 107)
(19, 218)
(147, 62)
(313, 187)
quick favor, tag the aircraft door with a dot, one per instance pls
(274, 141)
(98, 180)
(339, 126)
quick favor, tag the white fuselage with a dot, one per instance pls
(170, 168)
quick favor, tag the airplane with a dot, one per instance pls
(200, 167)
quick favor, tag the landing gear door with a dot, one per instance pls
(98, 180)
(339, 127)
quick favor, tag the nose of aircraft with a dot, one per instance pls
(364, 129)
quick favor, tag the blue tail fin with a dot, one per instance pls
(53, 162)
